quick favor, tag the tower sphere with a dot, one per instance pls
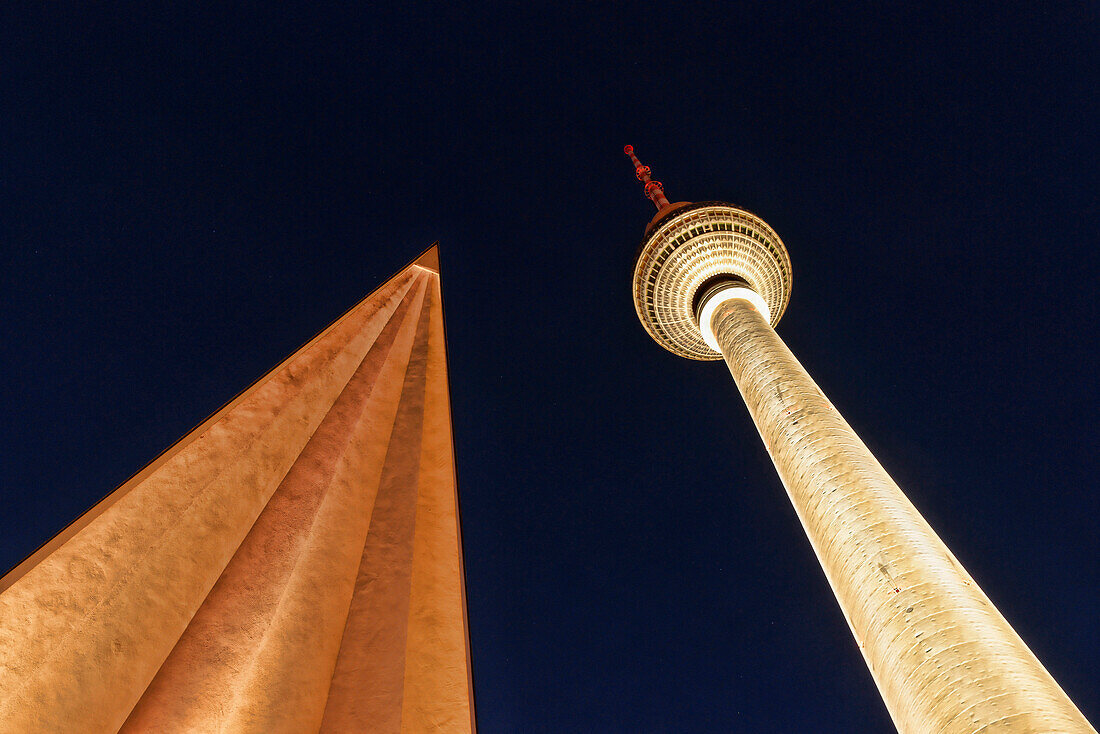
(689, 248)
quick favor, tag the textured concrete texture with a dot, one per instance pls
(944, 658)
(291, 565)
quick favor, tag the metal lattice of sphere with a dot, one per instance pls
(691, 246)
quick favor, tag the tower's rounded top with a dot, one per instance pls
(685, 249)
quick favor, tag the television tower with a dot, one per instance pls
(710, 282)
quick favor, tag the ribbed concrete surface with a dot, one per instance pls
(214, 591)
(944, 658)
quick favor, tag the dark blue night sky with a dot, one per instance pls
(188, 195)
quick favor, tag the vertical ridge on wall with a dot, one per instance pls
(437, 675)
(368, 682)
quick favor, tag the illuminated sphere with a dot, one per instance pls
(689, 247)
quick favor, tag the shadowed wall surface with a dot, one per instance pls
(293, 564)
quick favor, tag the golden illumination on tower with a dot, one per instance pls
(710, 282)
(293, 564)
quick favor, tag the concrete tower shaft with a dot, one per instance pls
(943, 657)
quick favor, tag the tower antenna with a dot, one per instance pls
(654, 190)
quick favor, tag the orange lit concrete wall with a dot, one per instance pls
(944, 658)
(291, 565)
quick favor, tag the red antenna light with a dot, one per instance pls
(654, 190)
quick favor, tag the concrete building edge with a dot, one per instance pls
(458, 494)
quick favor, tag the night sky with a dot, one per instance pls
(188, 196)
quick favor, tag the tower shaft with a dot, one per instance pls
(943, 657)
